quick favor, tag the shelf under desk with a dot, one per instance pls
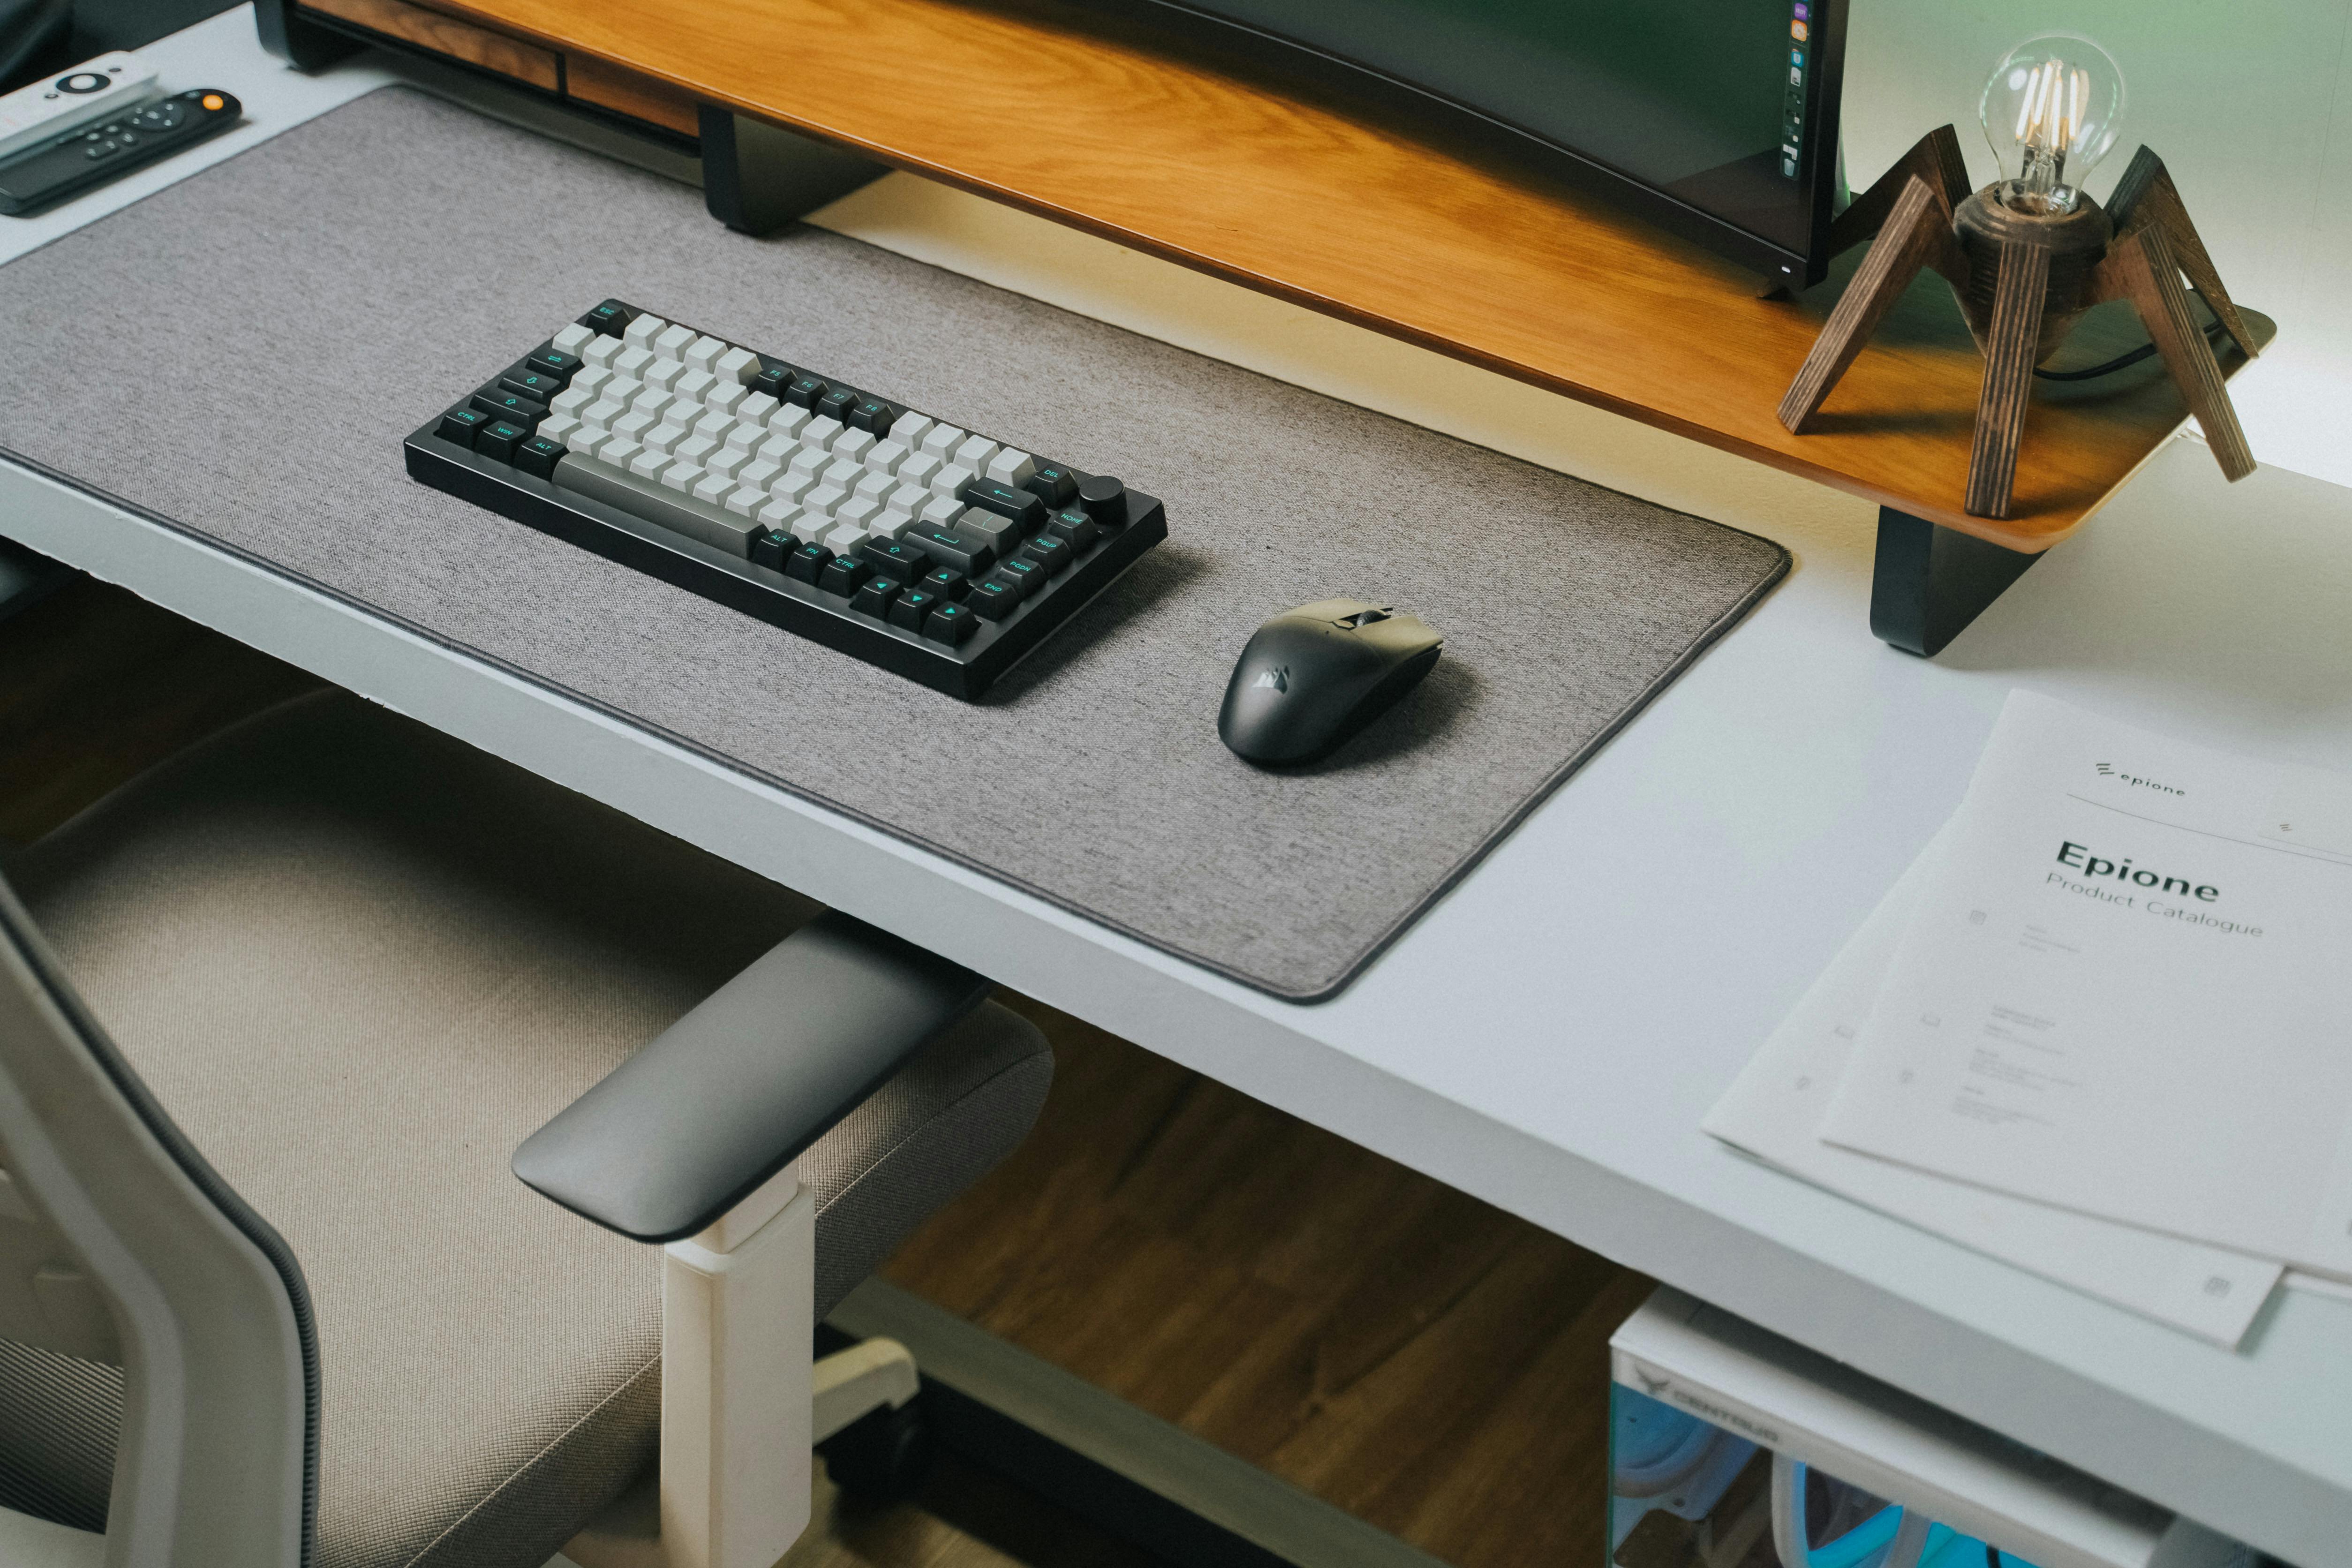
(1304, 202)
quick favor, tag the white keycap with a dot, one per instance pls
(951, 479)
(747, 436)
(559, 427)
(695, 383)
(940, 512)
(893, 524)
(713, 487)
(777, 514)
(726, 394)
(756, 407)
(617, 450)
(572, 339)
(640, 332)
(1011, 468)
(903, 496)
(918, 469)
(649, 463)
(571, 400)
(974, 453)
(876, 485)
(601, 412)
(695, 449)
(593, 377)
(804, 460)
(633, 424)
(603, 350)
(791, 487)
(588, 441)
(822, 431)
(853, 445)
(790, 419)
(825, 499)
(843, 472)
(665, 437)
(909, 429)
(847, 539)
(942, 440)
(681, 476)
(745, 501)
(886, 456)
(728, 461)
(665, 373)
(703, 352)
(780, 450)
(622, 388)
(653, 400)
(632, 362)
(736, 364)
(670, 342)
(859, 510)
(718, 426)
(757, 472)
(811, 527)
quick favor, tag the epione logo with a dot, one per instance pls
(2108, 771)
(1278, 678)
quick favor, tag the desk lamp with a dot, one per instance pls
(2029, 253)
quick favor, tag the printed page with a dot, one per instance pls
(1774, 1111)
(2126, 991)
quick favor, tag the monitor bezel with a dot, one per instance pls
(1517, 144)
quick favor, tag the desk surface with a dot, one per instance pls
(1549, 1037)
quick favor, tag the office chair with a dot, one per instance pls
(276, 1018)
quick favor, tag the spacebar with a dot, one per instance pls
(643, 497)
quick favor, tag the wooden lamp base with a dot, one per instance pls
(2022, 279)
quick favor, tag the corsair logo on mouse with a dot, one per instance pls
(1278, 678)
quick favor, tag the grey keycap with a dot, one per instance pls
(647, 499)
(1000, 532)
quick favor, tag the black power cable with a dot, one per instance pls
(2212, 335)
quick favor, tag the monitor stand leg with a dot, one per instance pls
(758, 177)
(1930, 582)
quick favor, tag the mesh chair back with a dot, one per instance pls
(120, 1246)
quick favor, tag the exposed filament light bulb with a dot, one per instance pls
(2051, 111)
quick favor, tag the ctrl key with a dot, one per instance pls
(461, 424)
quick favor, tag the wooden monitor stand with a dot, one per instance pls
(1354, 218)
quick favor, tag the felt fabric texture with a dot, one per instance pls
(242, 353)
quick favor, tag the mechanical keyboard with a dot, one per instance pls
(852, 520)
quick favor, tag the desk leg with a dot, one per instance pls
(758, 177)
(1929, 581)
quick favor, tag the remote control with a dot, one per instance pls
(93, 156)
(91, 90)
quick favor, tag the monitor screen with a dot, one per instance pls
(1707, 103)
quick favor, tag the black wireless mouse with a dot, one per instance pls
(1313, 676)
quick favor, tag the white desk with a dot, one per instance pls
(1549, 1035)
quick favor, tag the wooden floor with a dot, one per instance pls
(1420, 1359)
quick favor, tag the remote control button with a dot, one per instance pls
(81, 82)
(994, 599)
(1105, 500)
(912, 608)
(538, 455)
(950, 623)
(459, 424)
(499, 438)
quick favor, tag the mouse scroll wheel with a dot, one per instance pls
(1364, 618)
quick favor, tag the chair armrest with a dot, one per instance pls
(721, 1100)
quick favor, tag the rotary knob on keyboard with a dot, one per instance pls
(1105, 500)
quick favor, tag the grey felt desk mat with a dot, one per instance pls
(241, 355)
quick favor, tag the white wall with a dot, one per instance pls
(2250, 104)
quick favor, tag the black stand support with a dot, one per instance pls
(302, 44)
(758, 177)
(1929, 581)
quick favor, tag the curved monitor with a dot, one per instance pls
(1715, 119)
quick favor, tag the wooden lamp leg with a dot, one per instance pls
(2141, 268)
(2010, 341)
(1935, 158)
(2146, 195)
(1917, 232)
